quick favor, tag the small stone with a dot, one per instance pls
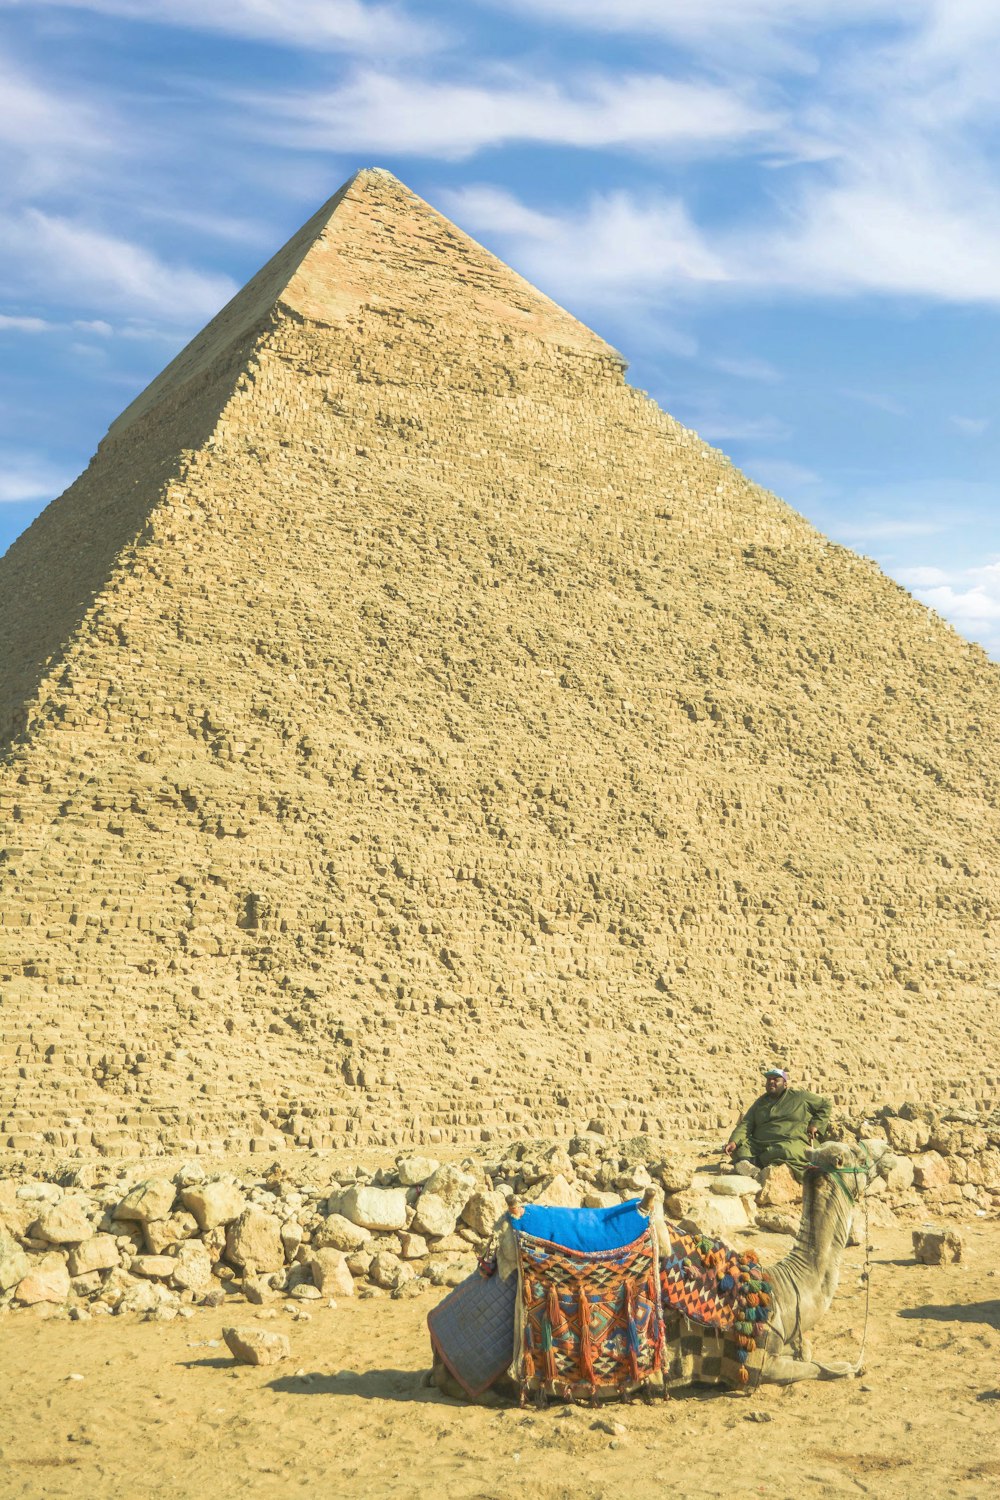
(938, 1247)
(930, 1170)
(192, 1267)
(155, 1267)
(257, 1346)
(482, 1212)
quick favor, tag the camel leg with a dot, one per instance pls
(785, 1369)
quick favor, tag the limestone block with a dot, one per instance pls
(897, 1171)
(734, 1186)
(192, 1267)
(99, 1253)
(155, 1267)
(65, 1223)
(338, 1233)
(14, 1263)
(257, 1346)
(672, 1173)
(706, 1213)
(930, 1170)
(413, 1171)
(482, 1212)
(213, 1204)
(412, 1246)
(938, 1247)
(162, 1233)
(557, 1193)
(331, 1274)
(375, 1208)
(254, 1240)
(453, 1185)
(778, 1187)
(385, 1269)
(46, 1282)
(433, 1215)
(906, 1136)
(152, 1199)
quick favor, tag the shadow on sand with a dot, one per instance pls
(370, 1385)
(957, 1312)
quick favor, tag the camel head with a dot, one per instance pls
(838, 1168)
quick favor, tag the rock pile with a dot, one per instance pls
(89, 1245)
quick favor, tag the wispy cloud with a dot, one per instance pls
(18, 324)
(878, 400)
(971, 426)
(67, 259)
(410, 115)
(25, 476)
(888, 528)
(326, 25)
(748, 368)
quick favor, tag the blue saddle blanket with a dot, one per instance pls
(586, 1230)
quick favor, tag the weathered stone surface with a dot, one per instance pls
(413, 1171)
(778, 1187)
(558, 1193)
(412, 1246)
(99, 1253)
(254, 1240)
(710, 1214)
(374, 1208)
(734, 1186)
(152, 1199)
(897, 1172)
(938, 1247)
(452, 1185)
(433, 1215)
(906, 1136)
(338, 1233)
(331, 1274)
(192, 1267)
(482, 1212)
(385, 1270)
(14, 1263)
(65, 1223)
(162, 1233)
(213, 1204)
(155, 1267)
(930, 1170)
(257, 1346)
(47, 1282)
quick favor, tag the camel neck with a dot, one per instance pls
(807, 1276)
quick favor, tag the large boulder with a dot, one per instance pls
(482, 1212)
(65, 1223)
(707, 1213)
(192, 1267)
(374, 1208)
(897, 1171)
(937, 1247)
(257, 1346)
(433, 1216)
(452, 1184)
(254, 1241)
(930, 1170)
(99, 1253)
(413, 1171)
(214, 1204)
(338, 1233)
(778, 1187)
(152, 1199)
(557, 1193)
(47, 1281)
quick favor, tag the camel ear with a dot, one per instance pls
(840, 1161)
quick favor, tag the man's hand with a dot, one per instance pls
(729, 1148)
(812, 1132)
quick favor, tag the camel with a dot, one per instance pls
(803, 1282)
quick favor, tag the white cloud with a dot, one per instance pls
(878, 400)
(921, 578)
(719, 429)
(615, 249)
(781, 476)
(971, 426)
(83, 266)
(748, 368)
(25, 324)
(888, 528)
(316, 25)
(384, 112)
(968, 598)
(29, 477)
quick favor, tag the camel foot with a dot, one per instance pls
(837, 1369)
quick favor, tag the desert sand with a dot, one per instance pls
(118, 1407)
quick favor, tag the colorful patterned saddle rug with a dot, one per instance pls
(589, 1305)
(710, 1284)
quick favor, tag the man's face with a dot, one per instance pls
(775, 1084)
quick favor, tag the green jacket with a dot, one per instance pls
(777, 1128)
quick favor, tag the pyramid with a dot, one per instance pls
(412, 734)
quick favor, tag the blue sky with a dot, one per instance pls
(785, 213)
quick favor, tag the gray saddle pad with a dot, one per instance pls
(472, 1330)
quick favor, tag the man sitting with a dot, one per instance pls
(779, 1126)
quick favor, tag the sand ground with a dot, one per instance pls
(116, 1407)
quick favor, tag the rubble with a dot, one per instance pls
(292, 1231)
